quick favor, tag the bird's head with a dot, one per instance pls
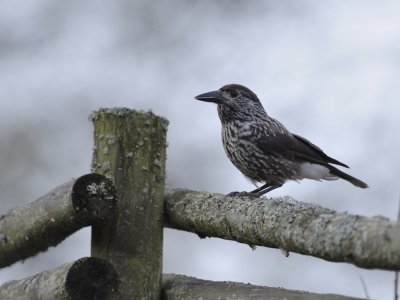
(234, 102)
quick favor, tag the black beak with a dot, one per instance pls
(214, 96)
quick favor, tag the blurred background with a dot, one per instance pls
(327, 70)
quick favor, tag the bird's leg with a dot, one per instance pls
(267, 188)
(258, 192)
(252, 194)
(260, 188)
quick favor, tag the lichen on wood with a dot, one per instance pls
(27, 230)
(130, 148)
(305, 228)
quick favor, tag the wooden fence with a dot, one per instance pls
(127, 230)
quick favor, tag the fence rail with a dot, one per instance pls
(86, 278)
(127, 235)
(305, 228)
(178, 287)
(81, 202)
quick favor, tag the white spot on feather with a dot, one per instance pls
(315, 171)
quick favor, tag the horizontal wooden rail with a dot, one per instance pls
(81, 202)
(177, 287)
(86, 278)
(305, 228)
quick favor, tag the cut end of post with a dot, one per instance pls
(122, 112)
(95, 195)
(91, 278)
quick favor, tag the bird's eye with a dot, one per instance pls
(234, 93)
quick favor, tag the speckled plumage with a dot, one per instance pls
(262, 148)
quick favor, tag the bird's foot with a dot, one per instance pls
(201, 236)
(242, 194)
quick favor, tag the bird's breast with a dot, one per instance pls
(239, 141)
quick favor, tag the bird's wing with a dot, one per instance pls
(319, 151)
(294, 147)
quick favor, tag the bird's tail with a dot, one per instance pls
(349, 178)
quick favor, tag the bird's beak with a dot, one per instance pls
(214, 96)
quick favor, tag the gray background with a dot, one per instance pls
(328, 70)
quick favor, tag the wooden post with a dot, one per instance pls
(130, 147)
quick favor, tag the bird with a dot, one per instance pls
(263, 149)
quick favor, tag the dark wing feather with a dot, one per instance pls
(294, 147)
(318, 151)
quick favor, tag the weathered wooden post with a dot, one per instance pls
(130, 147)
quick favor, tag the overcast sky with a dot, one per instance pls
(327, 70)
